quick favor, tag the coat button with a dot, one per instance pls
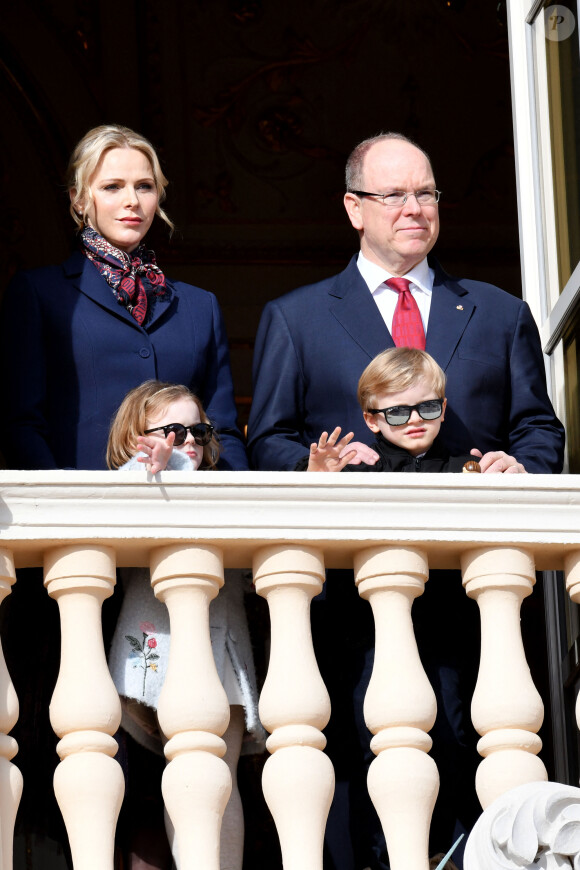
(144, 353)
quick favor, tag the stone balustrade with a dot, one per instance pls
(391, 529)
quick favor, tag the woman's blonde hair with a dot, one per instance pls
(86, 157)
(147, 402)
(396, 369)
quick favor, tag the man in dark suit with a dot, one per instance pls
(311, 348)
(313, 343)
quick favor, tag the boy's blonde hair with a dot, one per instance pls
(397, 369)
(86, 157)
(146, 402)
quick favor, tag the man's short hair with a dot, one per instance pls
(354, 164)
(397, 369)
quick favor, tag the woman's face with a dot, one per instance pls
(124, 198)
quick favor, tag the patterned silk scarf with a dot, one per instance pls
(129, 275)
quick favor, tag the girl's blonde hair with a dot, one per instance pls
(397, 369)
(146, 402)
(86, 157)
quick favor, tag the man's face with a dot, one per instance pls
(394, 238)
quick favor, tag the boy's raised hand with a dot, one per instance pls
(325, 456)
(158, 451)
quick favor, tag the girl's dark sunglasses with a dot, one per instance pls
(201, 432)
(401, 414)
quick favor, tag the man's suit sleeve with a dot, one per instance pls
(536, 436)
(275, 439)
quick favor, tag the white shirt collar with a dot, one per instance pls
(421, 276)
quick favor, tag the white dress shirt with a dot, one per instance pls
(421, 278)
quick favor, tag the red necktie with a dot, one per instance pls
(407, 328)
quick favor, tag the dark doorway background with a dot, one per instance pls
(253, 106)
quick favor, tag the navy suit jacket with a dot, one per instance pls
(70, 353)
(313, 344)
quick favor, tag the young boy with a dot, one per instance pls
(402, 396)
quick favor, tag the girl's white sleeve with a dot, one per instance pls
(177, 462)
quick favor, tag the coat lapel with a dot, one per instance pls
(352, 304)
(355, 309)
(86, 278)
(450, 312)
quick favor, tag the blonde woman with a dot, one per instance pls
(78, 336)
(75, 338)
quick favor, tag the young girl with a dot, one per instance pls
(164, 427)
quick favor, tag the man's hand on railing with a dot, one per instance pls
(496, 461)
(361, 453)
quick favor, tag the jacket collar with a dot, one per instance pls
(352, 304)
(355, 309)
(394, 452)
(86, 278)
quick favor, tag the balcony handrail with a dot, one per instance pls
(334, 512)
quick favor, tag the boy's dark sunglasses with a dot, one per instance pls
(401, 414)
(201, 432)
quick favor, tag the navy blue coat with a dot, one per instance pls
(313, 344)
(70, 353)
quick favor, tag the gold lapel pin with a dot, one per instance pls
(460, 307)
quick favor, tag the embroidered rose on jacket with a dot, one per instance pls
(143, 651)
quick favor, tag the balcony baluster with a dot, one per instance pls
(506, 710)
(193, 708)
(298, 778)
(85, 710)
(400, 705)
(10, 776)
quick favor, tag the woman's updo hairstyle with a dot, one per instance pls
(85, 159)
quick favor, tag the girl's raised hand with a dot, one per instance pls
(157, 450)
(325, 456)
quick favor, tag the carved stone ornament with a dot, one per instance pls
(535, 826)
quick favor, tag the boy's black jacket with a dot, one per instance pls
(394, 458)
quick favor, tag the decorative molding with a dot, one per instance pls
(536, 825)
